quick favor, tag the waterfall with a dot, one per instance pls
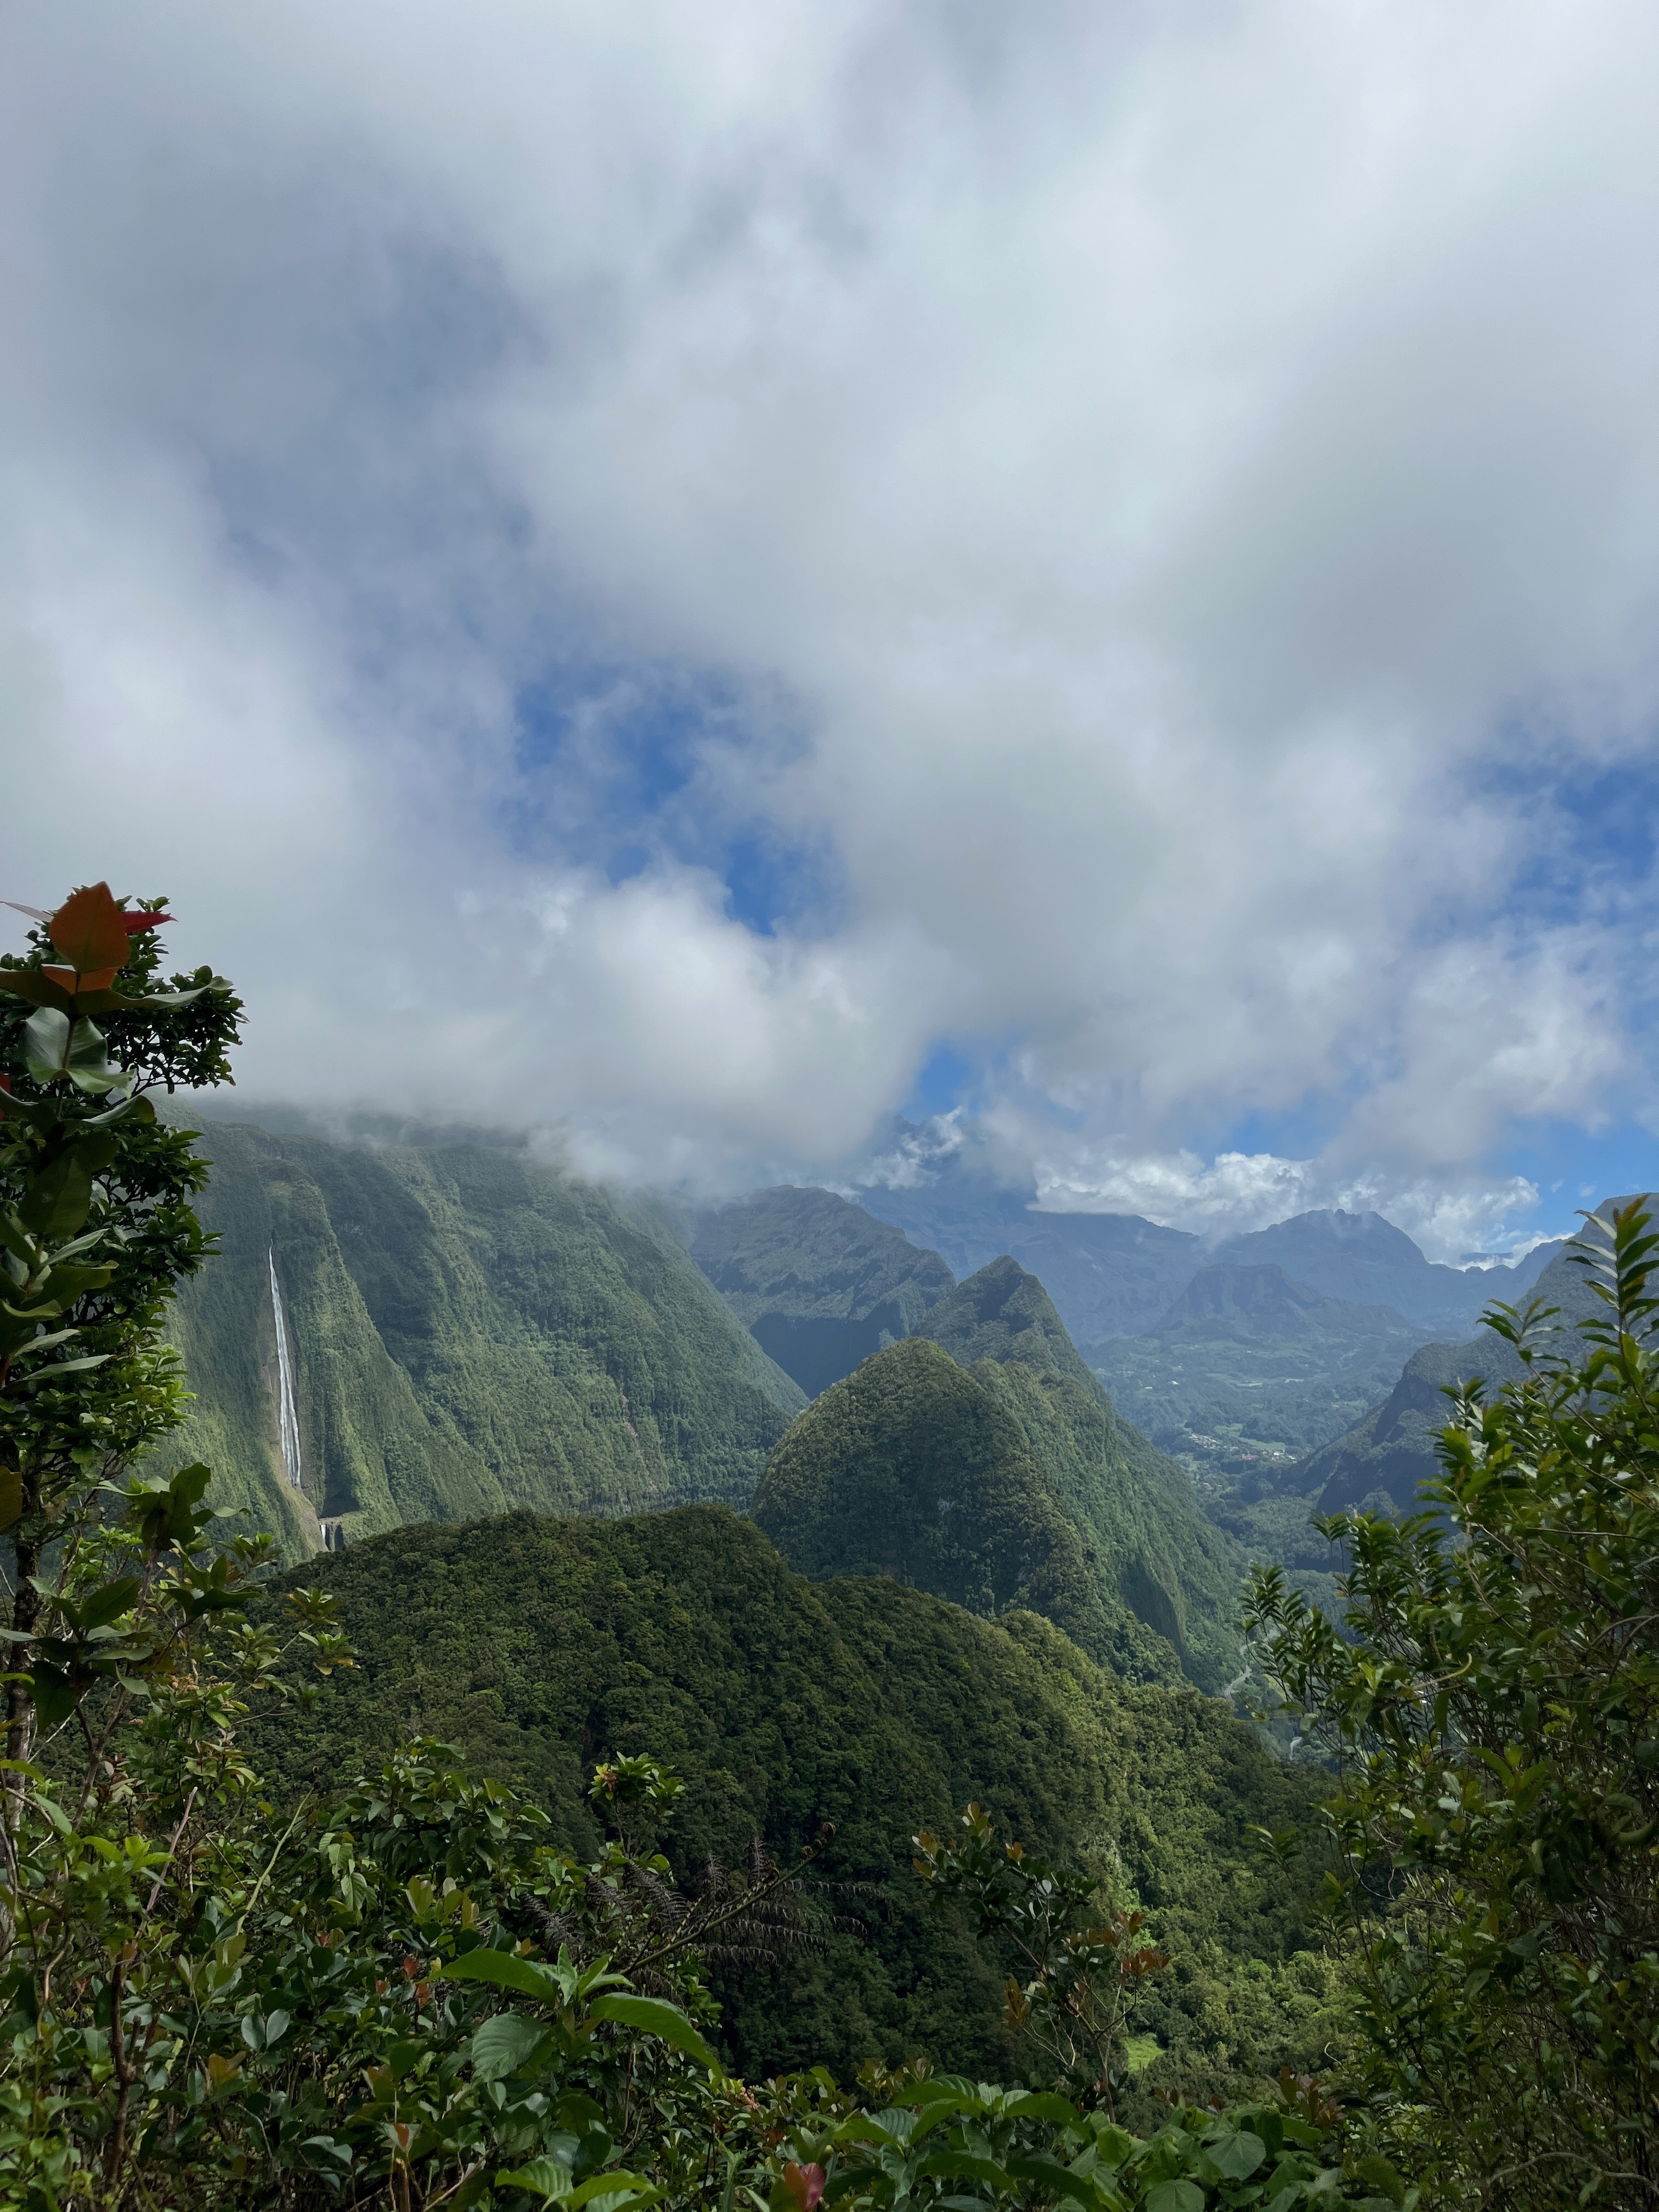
(287, 1412)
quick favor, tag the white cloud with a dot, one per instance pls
(1145, 479)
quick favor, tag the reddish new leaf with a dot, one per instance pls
(90, 931)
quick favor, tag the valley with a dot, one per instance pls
(765, 1490)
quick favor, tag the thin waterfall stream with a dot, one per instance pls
(287, 1411)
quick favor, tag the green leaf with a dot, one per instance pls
(653, 2017)
(508, 2043)
(506, 1970)
(1176, 2196)
(547, 2178)
(1043, 2104)
(543, 2177)
(1237, 2156)
(52, 1049)
(1113, 2145)
(1038, 2165)
(54, 1694)
(45, 1043)
(964, 2165)
(57, 1200)
(609, 2190)
(105, 1605)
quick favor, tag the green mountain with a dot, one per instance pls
(539, 1646)
(464, 1331)
(1249, 1365)
(817, 1282)
(1002, 1313)
(1001, 1476)
(916, 1469)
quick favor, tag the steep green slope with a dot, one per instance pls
(817, 1282)
(1147, 1540)
(1003, 1313)
(916, 1468)
(538, 1646)
(468, 1331)
(1010, 1481)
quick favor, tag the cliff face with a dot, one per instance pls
(467, 1331)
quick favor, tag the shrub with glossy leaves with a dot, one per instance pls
(1493, 1708)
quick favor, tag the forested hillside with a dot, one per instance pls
(1001, 1475)
(466, 1330)
(537, 1646)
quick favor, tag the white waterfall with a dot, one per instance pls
(287, 1411)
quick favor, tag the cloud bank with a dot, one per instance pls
(644, 571)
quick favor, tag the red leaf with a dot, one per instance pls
(132, 923)
(804, 2183)
(90, 931)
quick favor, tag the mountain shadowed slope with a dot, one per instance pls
(540, 1647)
(1070, 1510)
(1243, 1305)
(818, 1283)
(469, 1331)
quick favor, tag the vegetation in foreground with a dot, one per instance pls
(406, 1993)
(536, 1646)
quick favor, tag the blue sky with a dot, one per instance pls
(1085, 577)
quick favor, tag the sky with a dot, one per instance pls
(696, 580)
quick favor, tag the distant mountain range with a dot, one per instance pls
(1391, 1451)
(1116, 1274)
(1264, 1345)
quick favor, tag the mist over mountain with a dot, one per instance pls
(1116, 1274)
